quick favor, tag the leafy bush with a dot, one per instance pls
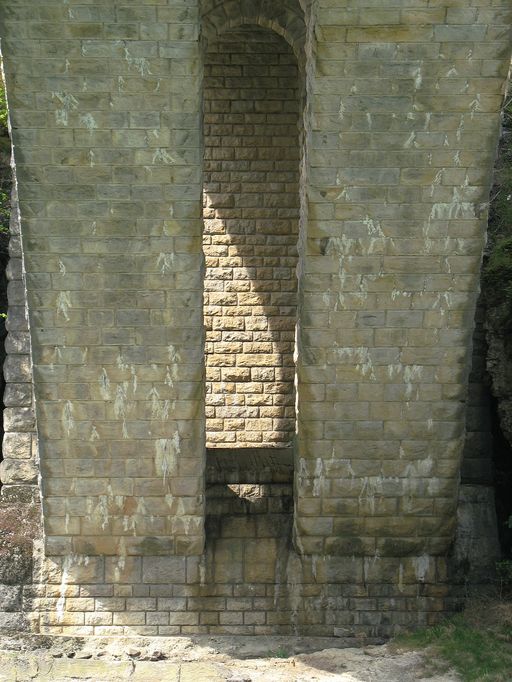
(497, 271)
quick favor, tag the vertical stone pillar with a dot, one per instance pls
(107, 141)
(19, 468)
(404, 125)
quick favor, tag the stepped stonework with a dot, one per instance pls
(244, 275)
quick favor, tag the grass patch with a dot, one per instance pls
(280, 652)
(476, 643)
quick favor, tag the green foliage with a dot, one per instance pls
(3, 108)
(280, 652)
(497, 274)
(497, 271)
(5, 170)
(479, 654)
(504, 574)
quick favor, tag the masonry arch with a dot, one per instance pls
(287, 19)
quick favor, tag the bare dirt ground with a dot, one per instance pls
(215, 659)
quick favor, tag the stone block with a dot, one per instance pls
(13, 622)
(19, 419)
(10, 598)
(156, 569)
(17, 445)
(18, 471)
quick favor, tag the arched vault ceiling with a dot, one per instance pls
(285, 18)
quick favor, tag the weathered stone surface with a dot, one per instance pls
(17, 368)
(12, 622)
(10, 598)
(20, 493)
(15, 567)
(396, 151)
(157, 671)
(17, 446)
(477, 547)
(18, 395)
(18, 471)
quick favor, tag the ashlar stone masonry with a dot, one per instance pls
(251, 211)
(385, 203)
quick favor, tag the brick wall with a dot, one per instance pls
(251, 104)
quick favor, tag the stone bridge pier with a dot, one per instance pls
(246, 253)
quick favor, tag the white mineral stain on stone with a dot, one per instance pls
(120, 402)
(101, 511)
(373, 226)
(165, 262)
(475, 105)
(161, 155)
(345, 195)
(369, 120)
(120, 84)
(141, 64)
(68, 421)
(371, 486)
(418, 78)
(87, 121)
(421, 565)
(68, 102)
(396, 293)
(91, 156)
(159, 408)
(341, 110)
(120, 560)
(167, 451)
(437, 180)
(319, 479)
(104, 382)
(411, 141)
(452, 72)
(360, 357)
(94, 434)
(61, 601)
(63, 304)
(454, 210)
(412, 374)
(62, 268)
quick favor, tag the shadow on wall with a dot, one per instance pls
(251, 214)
